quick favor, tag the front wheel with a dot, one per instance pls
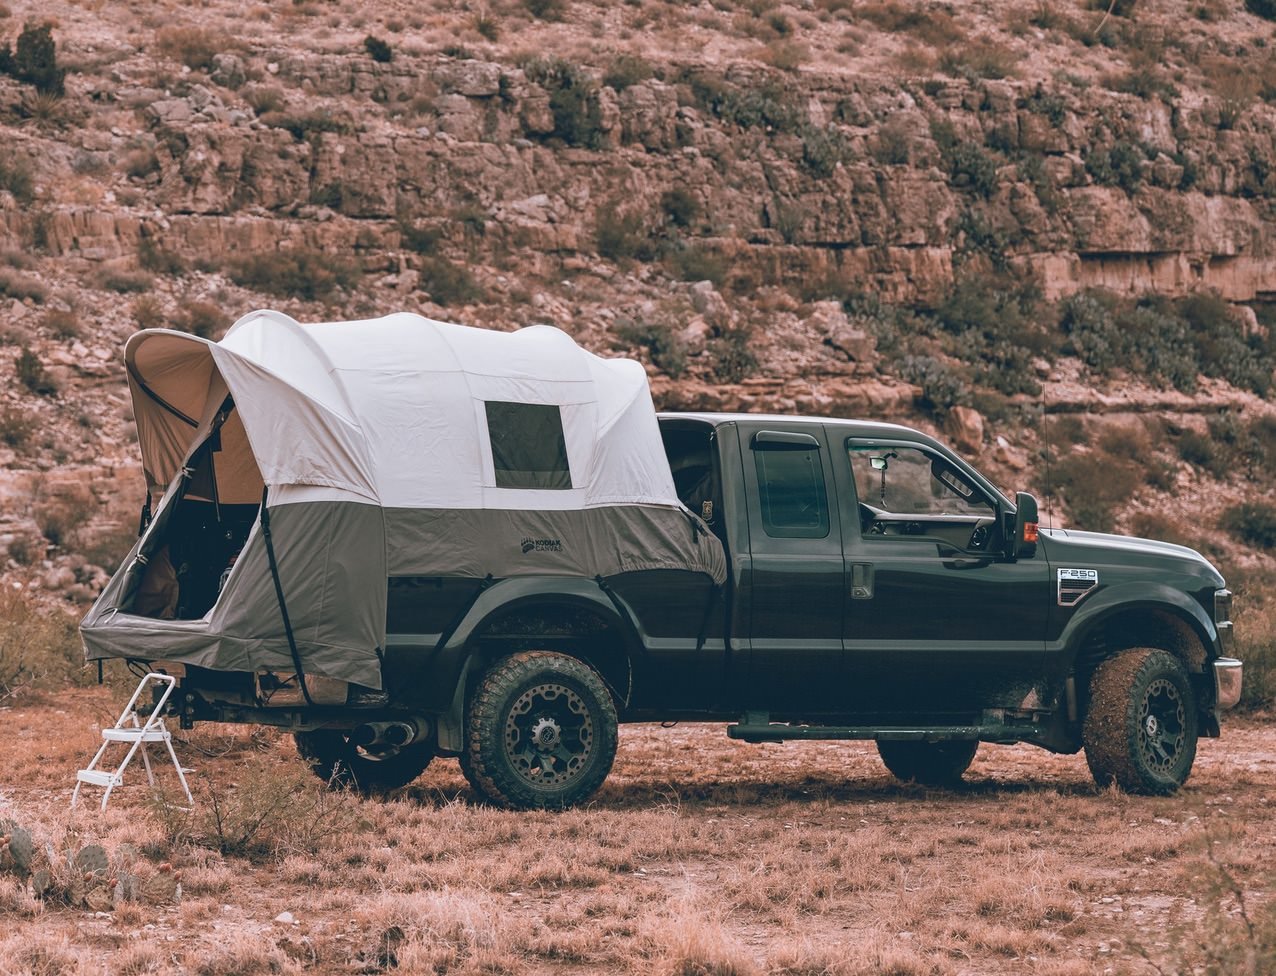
(1141, 727)
(540, 732)
(928, 763)
(335, 760)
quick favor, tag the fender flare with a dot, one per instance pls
(454, 658)
(1134, 596)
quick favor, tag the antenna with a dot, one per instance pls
(1045, 443)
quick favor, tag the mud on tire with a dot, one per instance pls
(1141, 727)
(928, 763)
(332, 758)
(540, 732)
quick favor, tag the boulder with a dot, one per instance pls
(965, 425)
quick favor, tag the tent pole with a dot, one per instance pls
(279, 595)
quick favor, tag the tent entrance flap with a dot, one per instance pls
(201, 527)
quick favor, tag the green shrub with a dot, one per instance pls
(378, 49)
(486, 25)
(546, 9)
(61, 520)
(573, 101)
(993, 323)
(930, 23)
(449, 283)
(152, 257)
(695, 262)
(62, 324)
(1254, 613)
(822, 150)
(1149, 339)
(32, 374)
(305, 124)
(148, 312)
(304, 274)
(264, 98)
(21, 287)
(1121, 165)
(16, 425)
(1119, 8)
(1253, 523)
(16, 177)
(194, 47)
(942, 386)
(620, 235)
(39, 646)
(1198, 450)
(1145, 80)
(203, 319)
(626, 70)
(680, 206)
(981, 59)
(665, 348)
(1093, 485)
(894, 144)
(1157, 525)
(770, 106)
(1222, 350)
(733, 359)
(122, 281)
(35, 59)
(969, 165)
(420, 240)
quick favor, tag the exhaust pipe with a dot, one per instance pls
(396, 734)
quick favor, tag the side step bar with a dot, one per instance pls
(757, 727)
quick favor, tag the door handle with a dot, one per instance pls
(861, 581)
(978, 563)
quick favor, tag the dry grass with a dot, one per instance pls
(699, 856)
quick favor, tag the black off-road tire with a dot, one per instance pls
(928, 763)
(540, 732)
(1141, 727)
(334, 760)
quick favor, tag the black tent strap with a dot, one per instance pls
(279, 594)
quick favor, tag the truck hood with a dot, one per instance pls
(1130, 547)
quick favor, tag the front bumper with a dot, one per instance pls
(1228, 673)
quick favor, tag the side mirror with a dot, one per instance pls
(1024, 540)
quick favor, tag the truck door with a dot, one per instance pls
(938, 620)
(792, 581)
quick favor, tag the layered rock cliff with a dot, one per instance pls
(831, 207)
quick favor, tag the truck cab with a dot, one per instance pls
(880, 587)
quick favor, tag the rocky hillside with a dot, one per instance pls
(1018, 224)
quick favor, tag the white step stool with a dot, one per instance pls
(130, 729)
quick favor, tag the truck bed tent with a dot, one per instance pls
(397, 446)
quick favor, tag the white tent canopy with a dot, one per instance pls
(392, 409)
(397, 446)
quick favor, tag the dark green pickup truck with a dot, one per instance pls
(877, 587)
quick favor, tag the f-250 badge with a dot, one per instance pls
(1076, 583)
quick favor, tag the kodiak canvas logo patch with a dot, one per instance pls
(542, 545)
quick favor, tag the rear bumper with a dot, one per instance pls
(1228, 674)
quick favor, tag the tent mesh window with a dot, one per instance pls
(528, 447)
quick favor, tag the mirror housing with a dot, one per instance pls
(1023, 543)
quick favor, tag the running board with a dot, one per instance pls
(753, 730)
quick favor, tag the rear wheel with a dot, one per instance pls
(928, 763)
(335, 760)
(540, 732)
(1141, 727)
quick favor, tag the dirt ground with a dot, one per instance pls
(699, 856)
